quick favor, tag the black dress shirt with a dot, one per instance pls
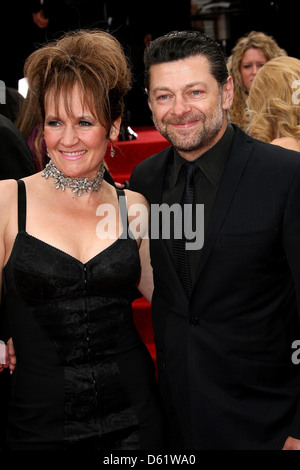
(208, 175)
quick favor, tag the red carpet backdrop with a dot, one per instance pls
(131, 152)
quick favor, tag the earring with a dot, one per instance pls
(112, 151)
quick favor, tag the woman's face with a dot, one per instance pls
(76, 143)
(252, 62)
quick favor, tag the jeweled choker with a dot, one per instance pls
(79, 186)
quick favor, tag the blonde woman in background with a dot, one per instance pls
(273, 104)
(250, 53)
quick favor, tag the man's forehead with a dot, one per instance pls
(194, 61)
(188, 72)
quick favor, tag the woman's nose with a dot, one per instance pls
(69, 136)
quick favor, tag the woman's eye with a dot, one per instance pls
(53, 123)
(85, 123)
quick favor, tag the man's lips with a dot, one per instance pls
(184, 125)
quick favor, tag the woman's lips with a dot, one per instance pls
(73, 155)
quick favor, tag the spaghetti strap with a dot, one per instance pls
(21, 205)
(123, 212)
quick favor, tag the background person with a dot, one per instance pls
(273, 111)
(249, 54)
(16, 160)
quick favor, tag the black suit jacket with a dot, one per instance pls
(16, 160)
(224, 357)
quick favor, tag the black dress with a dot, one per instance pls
(84, 379)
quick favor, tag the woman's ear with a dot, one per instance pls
(115, 130)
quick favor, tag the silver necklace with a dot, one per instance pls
(79, 186)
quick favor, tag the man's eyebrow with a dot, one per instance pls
(188, 85)
(161, 88)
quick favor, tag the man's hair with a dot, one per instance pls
(176, 46)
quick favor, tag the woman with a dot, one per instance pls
(28, 123)
(84, 379)
(273, 105)
(250, 53)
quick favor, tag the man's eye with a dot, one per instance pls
(163, 97)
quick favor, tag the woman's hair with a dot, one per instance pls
(93, 60)
(273, 110)
(28, 123)
(256, 40)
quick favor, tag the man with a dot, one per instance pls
(224, 351)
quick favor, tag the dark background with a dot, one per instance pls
(19, 36)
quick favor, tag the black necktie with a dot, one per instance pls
(179, 250)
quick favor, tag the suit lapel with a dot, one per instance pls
(234, 170)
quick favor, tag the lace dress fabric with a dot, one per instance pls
(84, 378)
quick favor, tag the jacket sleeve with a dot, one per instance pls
(16, 159)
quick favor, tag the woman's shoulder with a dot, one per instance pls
(8, 201)
(134, 197)
(9, 186)
(290, 143)
(7, 189)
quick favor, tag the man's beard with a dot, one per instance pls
(189, 140)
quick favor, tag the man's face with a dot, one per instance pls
(187, 104)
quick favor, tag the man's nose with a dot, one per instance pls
(180, 106)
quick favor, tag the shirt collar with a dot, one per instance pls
(212, 163)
